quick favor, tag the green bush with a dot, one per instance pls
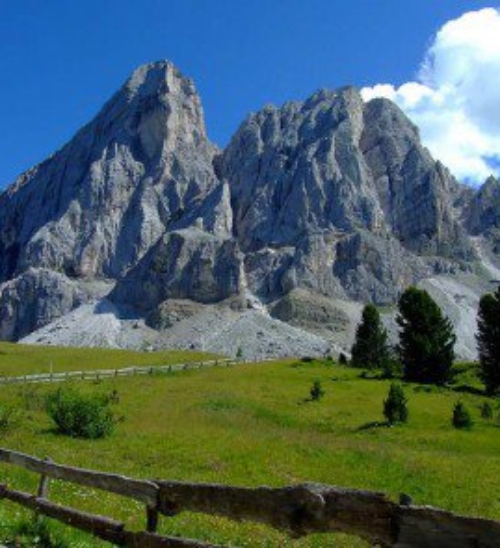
(461, 417)
(80, 415)
(395, 408)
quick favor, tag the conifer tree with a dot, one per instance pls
(370, 348)
(461, 417)
(488, 340)
(426, 339)
(395, 408)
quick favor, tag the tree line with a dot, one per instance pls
(425, 351)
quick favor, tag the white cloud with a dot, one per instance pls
(456, 98)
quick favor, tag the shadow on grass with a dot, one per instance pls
(372, 425)
(467, 389)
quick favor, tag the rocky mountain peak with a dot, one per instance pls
(97, 205)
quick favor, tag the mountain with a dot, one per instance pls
(312, 209)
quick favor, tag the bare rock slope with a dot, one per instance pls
(313, 209)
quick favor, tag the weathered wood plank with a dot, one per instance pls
(427, 527)
(102, 527)
(141, 490)
(299, 510)
(313, 508)
(98, 526)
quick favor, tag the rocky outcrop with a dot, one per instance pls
(185, 264)
(36, 297)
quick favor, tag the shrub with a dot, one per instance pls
(395, 408)
(316, 391)
(80, 415)
(461, 417)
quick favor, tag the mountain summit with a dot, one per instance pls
(330, 200)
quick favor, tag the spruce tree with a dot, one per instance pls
(488, 341)
(370, 348)
(395, 408)
(426, 339)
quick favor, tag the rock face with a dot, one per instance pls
(343, 197)
(38, 295)
(185, 264)
(482, 213)
(330, 201)
(95, 207)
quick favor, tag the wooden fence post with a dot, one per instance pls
(151, 519)
(43, 489)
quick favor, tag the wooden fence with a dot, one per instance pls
(297, 510)
(98, 374)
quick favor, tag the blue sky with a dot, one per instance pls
(61, 60)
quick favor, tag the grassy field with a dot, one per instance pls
(252, 425)
(17, 359)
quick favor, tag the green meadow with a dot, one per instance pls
(254, 425)
(17, 359)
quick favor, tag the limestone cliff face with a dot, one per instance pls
(184, 264)
(416, 193)
(342, 196)
(96, 206)
(481, 214)
(329, 197)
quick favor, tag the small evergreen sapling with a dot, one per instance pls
(461, 418)
(395, 406)
(316, 391)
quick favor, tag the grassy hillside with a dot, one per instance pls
(19, 359)
(252, 425)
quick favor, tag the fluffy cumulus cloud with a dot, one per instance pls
(455, 99)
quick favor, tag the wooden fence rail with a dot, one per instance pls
(97, 374)
(297, 510)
